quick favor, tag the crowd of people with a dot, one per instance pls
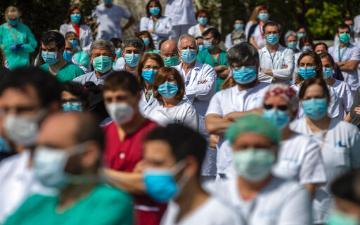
(176, 126)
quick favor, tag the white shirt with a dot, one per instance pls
(212, 212)
(199, 88)
(299, 159)
(228, 41)
(351, 52)
(343, 91)
(109, 20)
(17, 183)
(183, 113)
(181, 12)
(281, 202)
(233, 100)
(280, 62)
(119, 64)
(340, 152)
(146, 106)
(162, 28)
(195, 30)
(85, 37)
(258, 36)
(91, 77)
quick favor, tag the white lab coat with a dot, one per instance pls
(146, 106)
(280, 62)
(181, 12)
(195, 30)
(162, 28)
(85, 38)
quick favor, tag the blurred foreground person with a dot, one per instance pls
(172, 166)
(67, 158)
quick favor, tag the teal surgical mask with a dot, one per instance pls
(272, 39)
(13, 22)
(118, 52)
(102, 64)
(292, 44)
(239, 26)
(300, 35)
(154, 11)
(132, 60)
(327, 72)
(168, 89)
(201, 47)
(49, 57)
(208, 45)
(244, 75)
(188, 55)
(339, 218)
(254, 164)
(75, 18)
(307, 72)
(202, 20)
(315, 108)
(171, 61)
(146, 41)
(344, 38)
(263, 16)
(279, 117)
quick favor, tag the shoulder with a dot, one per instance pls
(205, 67)
(106, 193)
(346, 127)
(85, 27)
(144, 19)
(286, 188)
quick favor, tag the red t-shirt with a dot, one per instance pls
(123, 156)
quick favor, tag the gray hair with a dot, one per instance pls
(102, 44)
(288, 34)
(243, 53)
(184, 36)
(134, 42)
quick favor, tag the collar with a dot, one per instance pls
(103, 76)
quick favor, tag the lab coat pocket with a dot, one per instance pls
(340, 156)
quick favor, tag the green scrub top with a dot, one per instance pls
(205, 57)
(104, 205)
(66, 73)
(21, 34)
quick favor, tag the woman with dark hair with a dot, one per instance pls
(339, 140)
(75, 23)
(157, 25)
(146, 37)
(202, 25)
(169, 90)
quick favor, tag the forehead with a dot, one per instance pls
(251, 139)
(15, 96)
(307, 59)
(119, 92)
(325, 60)
(277, 100)
(314, 89)
(187, 42)
(49, 45)
(343, 29)
(291, 37)
(271, 28)
(157, 150)
(151, 62)
(100, 51)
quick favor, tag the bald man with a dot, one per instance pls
(168, 51)
(67, 158)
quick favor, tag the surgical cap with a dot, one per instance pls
(253, 123)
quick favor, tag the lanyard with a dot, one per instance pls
(251, 212)
(341, 55)
(272, 58)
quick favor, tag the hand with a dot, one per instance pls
(213, 141)
(268, 72)
(357, 110)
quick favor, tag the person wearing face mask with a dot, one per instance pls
(171, 171)
(346, 209)
(148, 68)
(73, 97)
(243, 94)
(169, 90)
(238, 28)
(71, 46)
(347, 57)
(202, 25)
(253, 191)
(168, 52)
(27, 96)
(76, 24)
(291, 41)
(124, 143)
(339, 140)
(52, 52)
(214, 56)
(101, 58)
(109, 15)
(67, 158)
(256, 32)
(149, 44)
(276, 61)
(133, 49)
(16, 39)
(160, 27)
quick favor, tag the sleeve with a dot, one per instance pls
(31, 44)
(144, 24)
(2, 38)
(215, 105)
(124, 13)
(78, 72)
(191, 118)
(228, 42)
(205, 86)
(355, 150)
(191, 31)
(297, 209)
(347, 98)
(165, 29)
(80, 79)
(87, 39)
(355, 54)
(63, 29)
(288, 62)
(312, 169)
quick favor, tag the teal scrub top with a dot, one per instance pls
(205, 57)
(104, 205)
(21, 34)
(66, 73)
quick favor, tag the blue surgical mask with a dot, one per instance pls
(160, 185)
(67, 55)
(108, 1)
(74, 43)
(239, 26)
(254, 164)
(132, 60)
(315, 108)
(201, 47)
(244, 75)
(149, 75)
(339, 218)
(327, 72)
(154, 11)
(146, 41)
(13, 22)
(344, 38)
(202, 20)
(292, 44)
(263, 16)
(307, 72)
(171, 61)
(188, 55)
(168, 89)
(75, 18)
(72, 106)
(208, 45)
(4, 146)
(49, 57)
(118, 52)
(306, 48)
(102, 64)
(272, 39)
(300, 35)
(279, 117)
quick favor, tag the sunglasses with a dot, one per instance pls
(279, 107)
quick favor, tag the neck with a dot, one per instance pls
(148, 86)
(343, 45)
(330, 81)
(130, 127)
(318, 125)
(286, 133)
(202, 26)
(272, 48)
(187, 67)
(58, 65)
(98, 74)
(215, 50)
(73, 193)
(249, 190)
(130, 69)
(170, 102)
(247, 86)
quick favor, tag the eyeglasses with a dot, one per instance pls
(279, 107)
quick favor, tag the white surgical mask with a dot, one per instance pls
(121, 112)
(22, 130)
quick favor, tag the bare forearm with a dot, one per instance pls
(216, 125)
(130, 182)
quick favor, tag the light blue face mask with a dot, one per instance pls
(201, 47)
(13, 22)
(263, 16)
(327, 72)
(244, 75)
(292, 44)
(4, 146)
(72, 106)
(171, 61)
(315, 108)
(49, 57)
(188, 55)
(278, 117)
(168, 89)
(208, 44)
(154, 11)
(67, 55)
(307, 72)
(75, 18)
(132, 60)
(300, 35)
(339, 218)
(74, 43)
(160, 185)
(272, 39)
(118, 52)
(146, 41)
(149, 75)
(239, 26)
(202, 20)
